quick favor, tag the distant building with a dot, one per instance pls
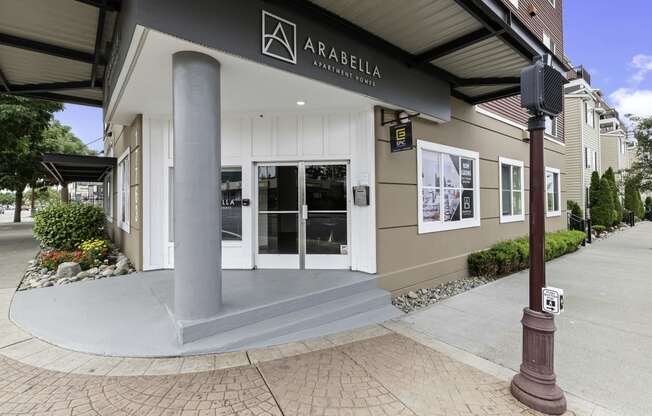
(582, 134)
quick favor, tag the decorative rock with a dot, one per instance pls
(424, 297)
(108, 271)
(122, 266)
(81, 275)
(68, 269)
(44, 270)
(93, 271)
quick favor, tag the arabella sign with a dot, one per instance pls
(279, 41)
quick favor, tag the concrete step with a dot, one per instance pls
(241, 318)
(299, 320)
(375, 316)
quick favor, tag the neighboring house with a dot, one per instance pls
(613, 142)
(582, 134)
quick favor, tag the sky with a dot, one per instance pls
(612, 39)
(85, 122)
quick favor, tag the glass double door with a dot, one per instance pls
(302, 215)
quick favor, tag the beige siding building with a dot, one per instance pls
(582, 127)
(409, 255)
(125, 184)
(613, 142)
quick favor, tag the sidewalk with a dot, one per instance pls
(17, 247)
(387, 369)
(603, 338)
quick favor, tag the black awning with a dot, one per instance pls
(74, 168)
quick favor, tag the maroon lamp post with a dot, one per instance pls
(535, 385)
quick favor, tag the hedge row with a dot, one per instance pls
(513, 255)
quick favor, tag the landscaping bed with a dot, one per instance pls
(485, 266)
(73, 248)
(37, 276)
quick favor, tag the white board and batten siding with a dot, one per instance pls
(251, 138)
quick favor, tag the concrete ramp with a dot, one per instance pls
(132, 315)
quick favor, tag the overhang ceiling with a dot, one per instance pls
(55, 49)
(75, 168)
(476, 45)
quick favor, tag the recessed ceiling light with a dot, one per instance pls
(301, 103)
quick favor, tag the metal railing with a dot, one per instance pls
(629, 218)
(573, 222)
(579, 72)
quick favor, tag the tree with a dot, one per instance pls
(22, 117)
(633, 197)
(595, 184)
(28, 131)
(648, 204)
(642, 165)
(7, 198)
(602, 210)
(615, 195)
(60, 139)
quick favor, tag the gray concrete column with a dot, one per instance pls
(197, 191)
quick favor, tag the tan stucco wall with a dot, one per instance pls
(130, 242)
(406, 259)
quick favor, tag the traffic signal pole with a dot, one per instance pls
(536, 384)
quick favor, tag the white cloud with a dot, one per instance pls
(643, 64)
(628, 100)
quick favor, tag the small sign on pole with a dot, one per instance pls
(400, 137)
(552, 300)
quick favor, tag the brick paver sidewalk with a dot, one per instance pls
(383, 375)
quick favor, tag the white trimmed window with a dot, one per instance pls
(550, 44)
(551, 126)
(553, 192)
(587, 159)
(595, 161)
(588, 111)
(510, 176)
(448, 187)
(123, 190)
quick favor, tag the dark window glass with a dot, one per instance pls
(326, 233)
(231, 204)
(278, 233)
(278, 188)
(326, 187)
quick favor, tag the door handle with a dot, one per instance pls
(304, 212)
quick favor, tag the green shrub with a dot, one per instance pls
(574, 208)
(513, 255)
(615, 195)
(599, 229)
(65, 226)
(602, 208)
(633, 197)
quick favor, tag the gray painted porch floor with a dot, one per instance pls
(129, 315)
